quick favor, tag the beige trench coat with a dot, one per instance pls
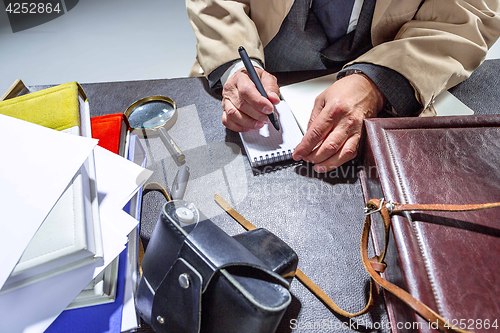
(435, 44)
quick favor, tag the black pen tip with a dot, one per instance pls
(275, 123)
(241, 48)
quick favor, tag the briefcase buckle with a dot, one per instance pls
(370, 209)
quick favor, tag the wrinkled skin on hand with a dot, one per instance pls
(244, 108)
(336, 122)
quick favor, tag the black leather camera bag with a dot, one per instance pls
(197, 278)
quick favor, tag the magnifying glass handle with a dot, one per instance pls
(172, 147)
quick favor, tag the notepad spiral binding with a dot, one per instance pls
(272, 158)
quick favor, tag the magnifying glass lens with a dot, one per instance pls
(151, 115)
(156, 114)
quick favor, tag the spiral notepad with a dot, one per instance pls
(266, 145)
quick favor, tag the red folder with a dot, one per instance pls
(110, 129)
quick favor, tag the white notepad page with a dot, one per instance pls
(267, 145)
(300, 96)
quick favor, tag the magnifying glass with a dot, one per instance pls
(156, 114)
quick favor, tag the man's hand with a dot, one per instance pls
(244, 108)
(336, 122)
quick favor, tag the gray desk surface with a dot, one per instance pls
(319, 216)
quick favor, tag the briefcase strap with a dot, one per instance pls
(386, 209)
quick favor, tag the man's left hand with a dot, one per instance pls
(336, 122)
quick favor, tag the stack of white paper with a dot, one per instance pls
(42, 165)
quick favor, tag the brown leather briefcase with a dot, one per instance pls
(448, 261)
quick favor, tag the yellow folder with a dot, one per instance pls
(56, 107)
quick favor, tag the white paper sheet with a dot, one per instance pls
(129, 314)
(117, 181)
(448, 105)
(266, 145)
(300, 97)
(33, 308)
(37, 165)
(494, 51)
(54, 295)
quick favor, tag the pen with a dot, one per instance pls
(255, 79)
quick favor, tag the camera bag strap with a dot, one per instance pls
(375, 265)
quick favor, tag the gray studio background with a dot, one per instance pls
(100, 40)
(103, 40)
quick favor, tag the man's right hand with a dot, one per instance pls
(244, 108)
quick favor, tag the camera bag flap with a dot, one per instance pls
(272, 250)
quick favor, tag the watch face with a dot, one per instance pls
(354, 71)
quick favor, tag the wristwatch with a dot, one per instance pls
(387, 107)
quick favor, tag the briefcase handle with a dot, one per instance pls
(376, 265)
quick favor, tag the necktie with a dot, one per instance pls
(333, 15)
(353, 44)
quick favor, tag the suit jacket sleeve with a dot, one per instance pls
(440, 46)
(220, 27)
